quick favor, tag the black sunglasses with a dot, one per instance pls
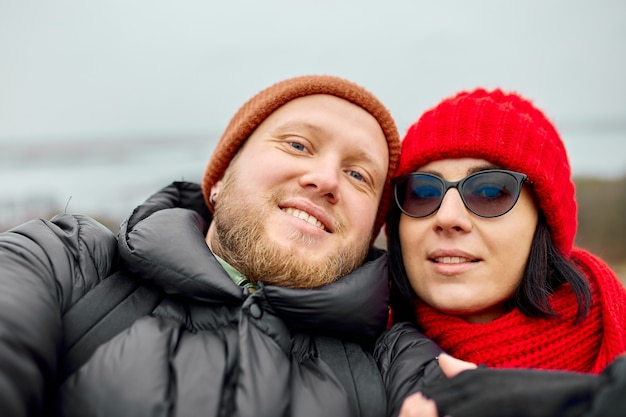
(489, 193)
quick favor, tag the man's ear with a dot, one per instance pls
(215, 191)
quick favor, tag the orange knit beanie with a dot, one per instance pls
(264, 103)
(507, 130)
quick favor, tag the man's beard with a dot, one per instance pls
(241, 240)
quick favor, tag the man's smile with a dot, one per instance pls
(304, 216)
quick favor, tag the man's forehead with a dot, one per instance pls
(307, 113)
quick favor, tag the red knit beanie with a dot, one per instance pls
(507, 130)
(264, 103)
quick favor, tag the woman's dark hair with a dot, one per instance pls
(545, 271)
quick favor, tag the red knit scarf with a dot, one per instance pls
(518, 341)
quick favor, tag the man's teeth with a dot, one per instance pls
(304, 216)
(452, 260)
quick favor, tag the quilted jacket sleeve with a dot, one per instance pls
(45, 266)
(407, 361)
(514, 392)
(609, 399)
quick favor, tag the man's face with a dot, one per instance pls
(297, 204)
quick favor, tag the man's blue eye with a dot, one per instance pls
(356, 175)
(297, 146)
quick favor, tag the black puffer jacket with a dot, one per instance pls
(209, 348)
(407, 362)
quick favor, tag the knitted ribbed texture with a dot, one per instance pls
(264, 103)
(508, 131)
(517, 341)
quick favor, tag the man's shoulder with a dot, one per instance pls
(88, 240)
(66, 245)
(62, 226)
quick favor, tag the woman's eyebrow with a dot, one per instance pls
(479, 168)
(471, 170)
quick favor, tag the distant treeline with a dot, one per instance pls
(602, 219)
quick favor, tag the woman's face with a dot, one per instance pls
(463, 264)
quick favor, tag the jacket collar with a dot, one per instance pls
(163, 241)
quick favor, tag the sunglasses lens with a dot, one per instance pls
(419, 195)
(491, 194)
(487, 193)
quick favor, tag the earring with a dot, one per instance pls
(212, 199)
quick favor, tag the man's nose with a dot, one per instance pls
(324, 177)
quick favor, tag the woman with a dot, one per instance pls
(482, 258)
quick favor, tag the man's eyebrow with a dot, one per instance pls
(371, 161)
(299, 126)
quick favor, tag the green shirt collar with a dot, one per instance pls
(237, 277)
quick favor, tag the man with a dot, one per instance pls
(256, 293)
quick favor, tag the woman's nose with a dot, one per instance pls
(452, 214)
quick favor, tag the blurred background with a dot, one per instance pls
(104, 102)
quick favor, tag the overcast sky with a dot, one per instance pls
(94, 69)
